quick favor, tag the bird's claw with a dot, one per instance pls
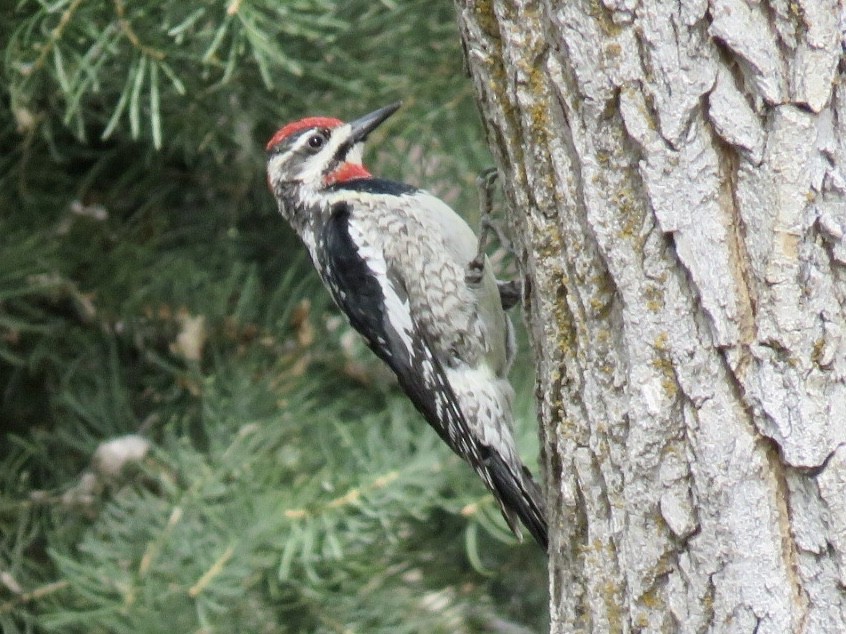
(510, 293)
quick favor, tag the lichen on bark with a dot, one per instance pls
(675, 177)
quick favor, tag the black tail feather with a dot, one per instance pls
(519, 496)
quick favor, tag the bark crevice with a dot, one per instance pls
(677, 189)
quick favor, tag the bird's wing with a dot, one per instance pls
(375, 300)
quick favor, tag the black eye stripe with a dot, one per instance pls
(289, 142)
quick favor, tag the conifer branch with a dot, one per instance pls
(33, 595)
(55, 37)
(126, 27)
(280, 486)
(211, 573)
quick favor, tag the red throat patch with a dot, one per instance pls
(346, 172)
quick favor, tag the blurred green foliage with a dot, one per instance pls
(148, 287)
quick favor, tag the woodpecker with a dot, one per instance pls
(414, 281)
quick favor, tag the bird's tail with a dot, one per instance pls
(519, 496)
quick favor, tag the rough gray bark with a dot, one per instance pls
(676, 178)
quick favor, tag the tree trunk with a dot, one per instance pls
(675, 177)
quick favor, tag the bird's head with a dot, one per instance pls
(316, 152)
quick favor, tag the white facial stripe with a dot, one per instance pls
(313, 168)
(356, 154)
(275, 164)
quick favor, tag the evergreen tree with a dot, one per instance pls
(191, 438)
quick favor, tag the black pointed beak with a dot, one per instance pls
(363, 126)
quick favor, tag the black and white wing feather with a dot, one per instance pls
(376, 303)
(375, 300)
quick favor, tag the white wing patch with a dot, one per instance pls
(397, 311)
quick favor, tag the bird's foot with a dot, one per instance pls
(485, 182)
(510, 293)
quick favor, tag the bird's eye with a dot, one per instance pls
(315, 141)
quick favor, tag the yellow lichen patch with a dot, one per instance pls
(613, 610)
(613, 51)
(567, 427)
(629, 212)
(664, 365)
(485, 17)
(654, 296)
(597, 305)
(598, 555)
(549, 244)
(817, 351)
(597, 10)
(538, 112)
(708, 601)
(652, 600)
(565, 330)
(668, 381)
